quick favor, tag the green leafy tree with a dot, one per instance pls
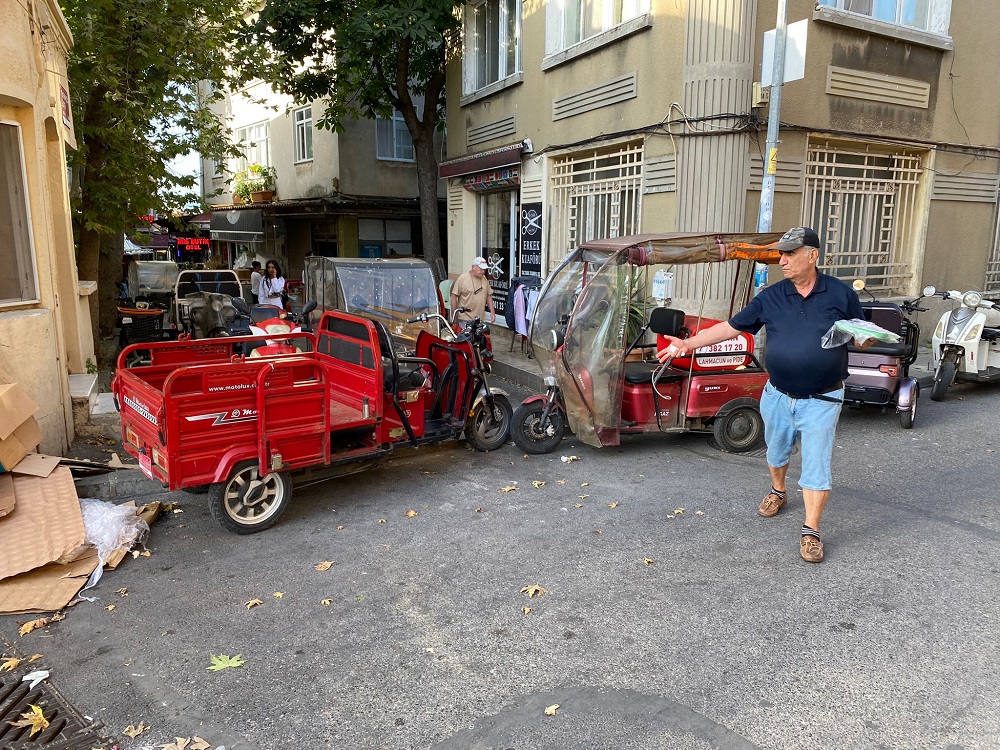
(134, 75)
(365, 58)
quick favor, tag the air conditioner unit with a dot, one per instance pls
(761, 96)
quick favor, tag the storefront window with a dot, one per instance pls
(496, 240)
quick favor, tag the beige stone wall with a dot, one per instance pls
(44, 341)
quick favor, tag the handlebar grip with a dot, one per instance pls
(413, 320)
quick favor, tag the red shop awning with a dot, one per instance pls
(505, 156)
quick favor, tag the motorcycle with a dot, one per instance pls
(966, 341)
(880, 374)
(578, 334)
(269, 320)
(489, 419)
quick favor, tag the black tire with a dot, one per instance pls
(488, 429)
(906, 417)
(235, 503)
(943, 379)
(739, 430)
(531, 435)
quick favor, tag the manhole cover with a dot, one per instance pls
(67, 729)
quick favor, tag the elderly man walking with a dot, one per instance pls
(805, 389)
(472, 291)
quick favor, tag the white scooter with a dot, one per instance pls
(966, 341)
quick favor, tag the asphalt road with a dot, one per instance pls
(723, 639)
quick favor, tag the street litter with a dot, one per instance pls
(569, 459)
(33, 678)
(861, 331)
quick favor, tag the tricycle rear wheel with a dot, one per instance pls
(488, 429)
(906, 417)
(531, 435)
(739, 430)
(246, 502)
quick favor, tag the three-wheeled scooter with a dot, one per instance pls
(578, 333)
(198, 414)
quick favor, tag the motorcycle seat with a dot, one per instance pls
(641, 373)
(901, 350)
(991, 334)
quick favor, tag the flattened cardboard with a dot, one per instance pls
(45, 589)
(15, 407)
(6, 494)
(36, 465)
(16, 446)
(46, 523)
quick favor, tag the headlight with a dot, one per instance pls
(972, 299)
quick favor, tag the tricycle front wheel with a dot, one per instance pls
(247, 502)
(534, 436)
(488, 429)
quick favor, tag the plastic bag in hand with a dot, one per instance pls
(860, 331)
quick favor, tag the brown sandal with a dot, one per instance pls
(771, 504)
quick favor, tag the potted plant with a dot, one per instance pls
(638, 308)
(255, 184)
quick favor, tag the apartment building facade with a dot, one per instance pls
(589, 118)
(46, 342)
(348, 194)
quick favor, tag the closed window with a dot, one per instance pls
(579, 20)
(17, 258)
(392, 139)
(303, 134)
(920, 14)
(493, 49)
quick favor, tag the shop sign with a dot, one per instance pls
(530, 260)
(193, 243)
(499, 179)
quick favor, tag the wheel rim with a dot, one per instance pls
(490, 425)
(250, 500)
(535, 429)
(742, 429)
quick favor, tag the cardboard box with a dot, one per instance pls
(15, 407)
(19, 443)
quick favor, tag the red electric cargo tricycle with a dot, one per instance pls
(201, 415)
(579, 335)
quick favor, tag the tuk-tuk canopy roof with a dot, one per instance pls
(690, 247)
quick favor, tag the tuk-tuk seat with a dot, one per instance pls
(408, 378)
(641, 373)
(666, 321)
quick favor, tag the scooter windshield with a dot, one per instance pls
(553, 309)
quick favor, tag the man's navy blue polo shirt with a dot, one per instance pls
(796, 361)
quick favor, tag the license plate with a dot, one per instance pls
(146, 464)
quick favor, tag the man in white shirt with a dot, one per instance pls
(255, 277)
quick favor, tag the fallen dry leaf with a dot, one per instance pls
(670, 516)
(224, 661)
(197, 743)
(326, 602)
(411, 513)
(381, 520)
(551, 710)
(699, 512)
(34, 658)
(526, 610)
(613, 505)
(32, 625)
(135, 731)
(179, 743)
(325, 565)
(122, 592)
(9, 664)
(538, 484)
(577, 505)
(278, 594)
(584, 484)
(479, 510)
(525, 455)
(508, 488)
(678, 511)
(583, 497)
(533, 591)
(110, 608)
(252, 603)
(340, 528)
(598, 531)
(648, 560)
(429, 650)
(560, 481)
(33, 718)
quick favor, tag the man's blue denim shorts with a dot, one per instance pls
(812, 422)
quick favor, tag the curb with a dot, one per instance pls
(531, 380)
(124, 484)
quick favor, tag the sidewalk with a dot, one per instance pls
(515, 365)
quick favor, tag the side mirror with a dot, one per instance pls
(929, 291)
(859, 285)
(241, 306)
(309, 307)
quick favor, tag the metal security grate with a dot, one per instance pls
(595, 194)
(67, 730)
(863, 204)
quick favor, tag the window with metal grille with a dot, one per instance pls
(992, 285)
(863, 205)
(595, 194)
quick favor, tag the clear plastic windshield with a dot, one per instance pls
(585, 303)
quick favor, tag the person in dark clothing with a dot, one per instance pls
(805, 390)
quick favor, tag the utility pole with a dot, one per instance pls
(770, 165)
